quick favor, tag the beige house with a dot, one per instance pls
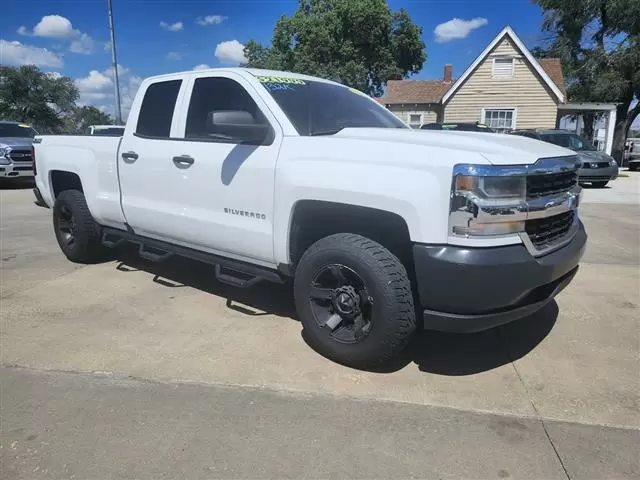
(505, 88)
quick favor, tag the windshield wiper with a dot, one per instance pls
(328, 131)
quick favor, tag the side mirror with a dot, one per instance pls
(236, 125)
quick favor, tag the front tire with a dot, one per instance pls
(599, 184)
(77, 233)
(354, 300)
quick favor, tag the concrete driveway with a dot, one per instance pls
(131, 369)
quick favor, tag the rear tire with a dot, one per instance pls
(77, 233)
(633, 167)
(599, 184)
(345, 270)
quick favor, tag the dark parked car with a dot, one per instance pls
(465, 126)
(598, 168)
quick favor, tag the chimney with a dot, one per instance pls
(448, 73)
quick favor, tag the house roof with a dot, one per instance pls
(436, 91)
(415, 91)
(507, 32)
(553, 67)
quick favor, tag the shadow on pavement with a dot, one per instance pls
(20, 183)
(439, 353)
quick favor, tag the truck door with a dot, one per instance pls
(215, 192)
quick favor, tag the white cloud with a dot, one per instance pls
(172, 27)
(83, 44)
(457, 28)
(16, 54)
(56, 26)
(174, 56)
(54, 74)
(231, 51)
(97, 89)
(210, 20)
(202, 66)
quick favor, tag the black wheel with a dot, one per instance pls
(354, 300)
(633, 167)
(599, 184)
(76, 231)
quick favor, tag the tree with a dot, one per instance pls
(360, 43)
(88, 115)
(32, 96)
(598, 42)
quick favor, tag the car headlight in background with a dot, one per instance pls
(5, 150)
(484, 197)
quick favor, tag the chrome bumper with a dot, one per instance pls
(15, 170)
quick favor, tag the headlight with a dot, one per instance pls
(4, 154)
(614, 163)
(483, 198)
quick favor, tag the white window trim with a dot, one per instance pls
(515, 115)
(503, 77)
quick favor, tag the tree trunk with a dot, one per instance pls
(624, 120)
(589, 121)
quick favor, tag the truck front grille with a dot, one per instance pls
(550, 184)
(19, 155)
(544, 232)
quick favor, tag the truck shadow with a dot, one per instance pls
(438, 353)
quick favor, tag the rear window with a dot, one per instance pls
(157, 109)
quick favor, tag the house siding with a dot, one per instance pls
(428, 111)
(534, 102)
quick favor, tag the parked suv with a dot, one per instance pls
(597, 168)
(16, 159)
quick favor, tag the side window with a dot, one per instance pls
(212, 94)
(157, 108)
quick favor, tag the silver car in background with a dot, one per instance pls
(16, 157)
(598, 168)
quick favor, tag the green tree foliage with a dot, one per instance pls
(32, 96)
(88, 115)
(360, 43)
(598, 42)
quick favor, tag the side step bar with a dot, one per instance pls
(232, 272)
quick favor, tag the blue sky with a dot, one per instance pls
(159, 36)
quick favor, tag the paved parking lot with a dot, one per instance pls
(130, 369)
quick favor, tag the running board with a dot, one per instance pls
(232, 272)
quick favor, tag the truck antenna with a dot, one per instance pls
(114, 65)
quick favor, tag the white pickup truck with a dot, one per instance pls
(275, 176)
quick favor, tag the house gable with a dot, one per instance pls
(503, 84)
(499, 47)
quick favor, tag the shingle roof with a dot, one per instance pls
(415, 91)
(553, 67)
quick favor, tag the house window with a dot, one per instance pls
(500, 119)
(415, 120)
(502, 68)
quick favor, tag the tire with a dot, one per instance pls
(599, 184)
(77, 233)
(633, 167)
(385, 300)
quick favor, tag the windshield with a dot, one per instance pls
(318, 108)
(16, 130)
(567, 140)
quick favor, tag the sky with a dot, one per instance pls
(71, 37)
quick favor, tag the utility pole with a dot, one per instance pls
(114, 65)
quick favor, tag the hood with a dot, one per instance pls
(16, 141)
(498, 149)
(593, 156)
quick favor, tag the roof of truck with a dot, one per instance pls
(256, 72)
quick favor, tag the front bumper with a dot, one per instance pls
(473, 289)
(13, 170)
(605, 174)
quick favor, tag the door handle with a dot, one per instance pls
(183, 161)
(129, 156)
